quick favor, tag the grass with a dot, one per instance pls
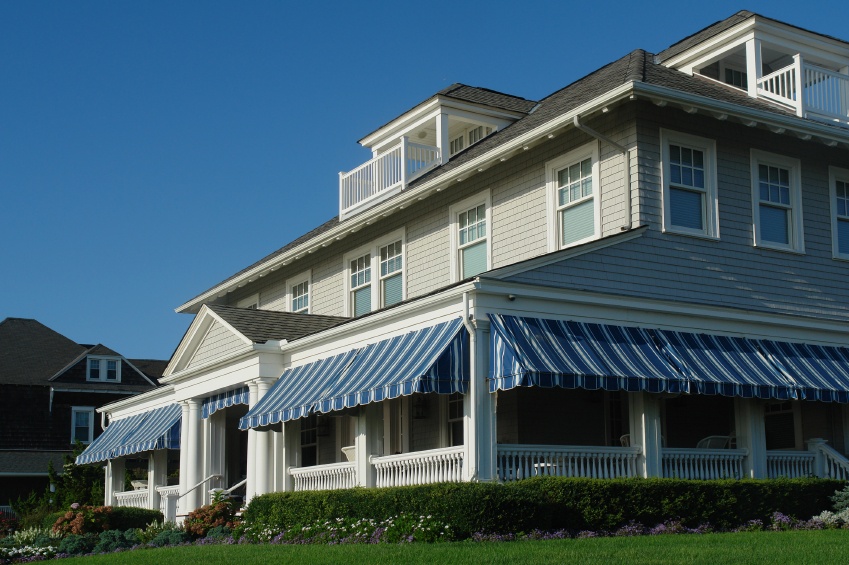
(828, 546)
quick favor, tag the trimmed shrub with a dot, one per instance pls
(116, 539)
(125, 518)
(553, 503)
(74, 544)
(170, 537)
(200, 521)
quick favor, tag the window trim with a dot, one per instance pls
(552, 167)
(836, 174)
(250, 302)
(90, 411)
(796, 226)
(374, 250)
(103, 361)
(291, 283)
(454, 212)
(710, 212)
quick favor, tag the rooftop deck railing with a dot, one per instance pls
(810, 90)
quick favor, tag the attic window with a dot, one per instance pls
(104, 369)
(457, 144)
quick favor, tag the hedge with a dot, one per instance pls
(121, 518)
(553, 503)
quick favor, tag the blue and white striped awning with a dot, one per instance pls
(559, 353)
(433, 359)
(220, 401)
(156, 429)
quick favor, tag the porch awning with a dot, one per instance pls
(432, 359)
(156, 429)
(216, 402)
(567, 354)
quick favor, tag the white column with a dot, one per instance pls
(367, 441)
(479, 408)
(645, 432)
(250, 486)
(754, 66)
(442, 139)
(194, 456)
(157, 476)
(819, 461)
(292, 443)
(184, 457)
(751, 435)
(115, 469)
(280, 466)
(263, 447)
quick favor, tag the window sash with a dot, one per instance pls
(391, 259)
(687, 167)
(776, 224)
(471, 225)
(473, 259)
(300, 297)
(392, 289)
(687, 208)
(577, 222)
(574, 183)
(361, 298)
(94, 369)
(361, 271)
(83, 428)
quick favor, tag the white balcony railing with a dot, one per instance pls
(420, 467)
(516, 462)
(790, 464)
(169, 496)
(384, 175)
(136, 498)
(824, 93)
(702, 464)
(831, 464)
(324, 477)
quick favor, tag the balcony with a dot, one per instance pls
(812, 91)
(385, 175)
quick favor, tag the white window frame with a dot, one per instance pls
(74, 411)
(588, 151)
(836, 174)
(291, 283)
(710, 198)
(103, 362)
(376, 286)
(796, 226)
(381, 277)
(454, 212)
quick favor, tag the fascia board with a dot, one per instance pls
(152, 395)
(186, 373)
(729, 35)
(199, 325)
(373, 214)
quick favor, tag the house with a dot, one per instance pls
(50, 387)
(642, 274)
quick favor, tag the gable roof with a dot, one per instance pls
(487, 97)
(31, 353)
(260, 326)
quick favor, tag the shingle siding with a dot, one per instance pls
(218, 341)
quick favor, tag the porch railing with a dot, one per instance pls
(136, 498)
(376, 179)
(810, 90)
(6, 511)
(705, 464)
(790, 464)
(516, 462)
(420, 467)
(169, 495)
(834, 465)
(324, 477)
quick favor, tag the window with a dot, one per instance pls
(689, 185)
(572, 182)
(309, 441)
(82, 424)
(103, 369)
(457, 144)
(301, 297)
(375, 275)
(455, 419)
(470, 237)
(737, 78)
(391, 276)
(468, 138)
(838, 180)
(777, 202)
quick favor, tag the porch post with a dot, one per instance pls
(157, 475)
(754, 66)
(115, 469)
(292, 444)
(262, 450)
(194, 455)
(479, 410)
(250, 485)
(751, 434)
(442, 140)
(819, 463)
(645, 432)
(184, 457)
(280, 463)
(366, 441)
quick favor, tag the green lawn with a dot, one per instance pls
(815, 547)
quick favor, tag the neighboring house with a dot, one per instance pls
(642, 274)
(50, 387)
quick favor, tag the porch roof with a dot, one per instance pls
(432, 359)
(154, 429)
(216, 402)
(568, 354)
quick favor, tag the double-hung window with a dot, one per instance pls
(298, 293)
(777, 201)
(839, 184)
(573, 196)
(470, 236)
(391, 273)
(375, 275)
(689, 185)
(103, 369)
(360, 272)
(82, 424)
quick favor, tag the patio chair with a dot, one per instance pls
(714, 442)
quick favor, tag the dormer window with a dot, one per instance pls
(104, 369)
(468, 138)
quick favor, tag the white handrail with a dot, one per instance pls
(420, 467)
(237, 485)
(789, 464)
(522, 461)
(206, 480)
(324, 477)
(702, 464)
(832, 464)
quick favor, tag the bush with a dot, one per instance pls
(74, 544)
(84, 520)
(7, 526)
(200, 521)
(170, 537)
(150, 531)
(552, 503)
(111, 540)
(841, 499)
(125, 518)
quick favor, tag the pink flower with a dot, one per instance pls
(75, 505)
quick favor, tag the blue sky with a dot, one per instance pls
(148, 150)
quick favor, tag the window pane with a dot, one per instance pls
(577, 222)
(94, 369)
(843, 236)
(112, 370)
(362, 301)
(473, 259)
(393, 291)
(686, 208)
(775, 224)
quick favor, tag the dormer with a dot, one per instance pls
(804, 72)
(423, 138)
